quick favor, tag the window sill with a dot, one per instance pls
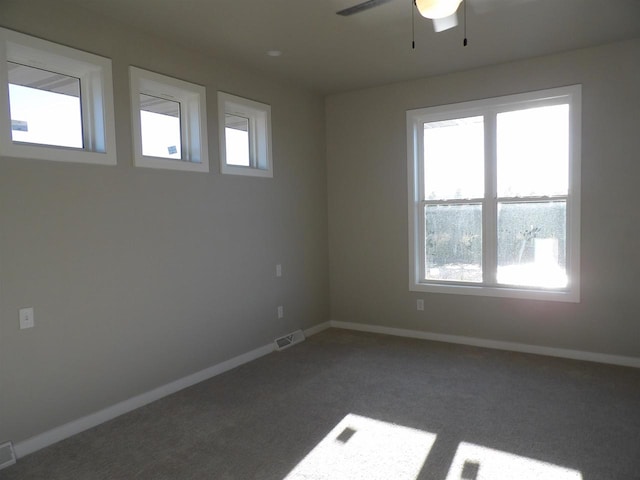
(57, 154)
(170, 164)
(247, 171)
(525, 293)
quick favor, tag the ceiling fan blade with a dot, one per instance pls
(442, 24)
(362, 7)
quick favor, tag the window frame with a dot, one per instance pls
(489, 108)
(259, 115)
(96, 99)
(193, 120)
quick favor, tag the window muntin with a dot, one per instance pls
(56, 102)
(245, 136)
(169, 122)
(527, 241)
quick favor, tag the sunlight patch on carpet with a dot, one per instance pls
(473, 462)
(364, 448)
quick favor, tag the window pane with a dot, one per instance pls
(453, 147)
(45, 107)
(532, 244)
(453, 247)
(533, 151)
(237, 140)
(160, 127)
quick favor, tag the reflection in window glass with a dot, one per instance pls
(237, 140)
(45, 107)
(452, 147)
(533, 151)
(532, 244)
(160, 127)
(453, 247)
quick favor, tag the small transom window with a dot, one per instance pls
(59, 102)
(245, 136)
(169, 122)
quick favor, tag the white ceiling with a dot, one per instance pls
(331, 53)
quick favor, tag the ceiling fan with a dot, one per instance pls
(442, 12)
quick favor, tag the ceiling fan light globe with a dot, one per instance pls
(435, 9)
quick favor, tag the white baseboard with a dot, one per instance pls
(84, 423)
(89, 421)
(495, 344)
(316, 329)
(74, 427)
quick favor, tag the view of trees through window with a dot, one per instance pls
(530, 174)
(453, 242)
(531, 244)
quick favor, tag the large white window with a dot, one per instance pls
(494, 196)
(169, 122)
(245, 136)
(56, 103)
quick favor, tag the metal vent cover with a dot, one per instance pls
(288, 340)
(7, 455)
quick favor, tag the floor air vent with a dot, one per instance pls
(288, 340)
(7, 455)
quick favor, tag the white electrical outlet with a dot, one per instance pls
(26, 318)
(420, 304)
(278, 270)
(280, 311)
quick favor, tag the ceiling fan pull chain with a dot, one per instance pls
(465, 42)
(413, 25)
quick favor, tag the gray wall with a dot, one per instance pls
(367, 191)
(139, 277)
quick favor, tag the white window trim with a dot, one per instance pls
(415, 121)
(94, 73)
(259, 115)
(193, 121)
